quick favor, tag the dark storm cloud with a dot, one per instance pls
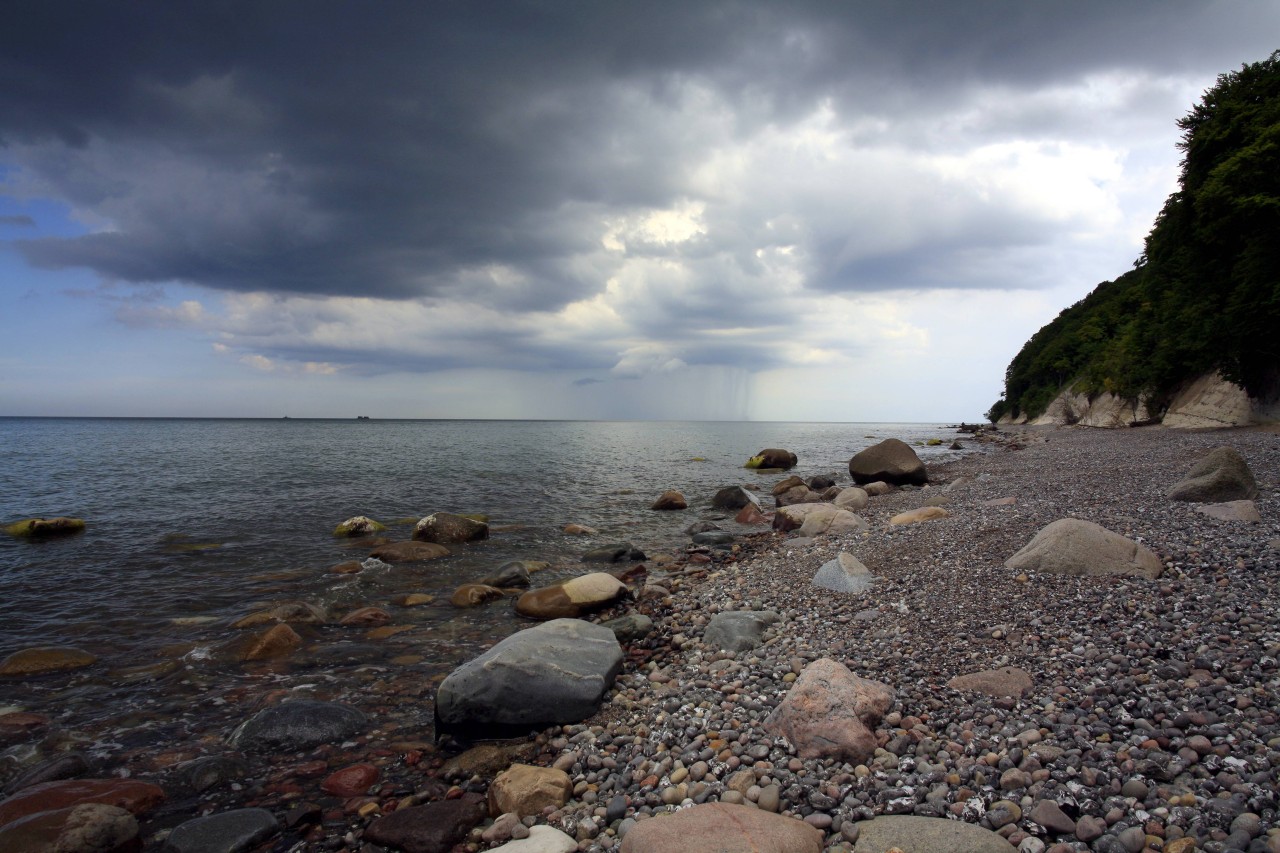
(401, 150)
(18, 221)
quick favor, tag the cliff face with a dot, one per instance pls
(1206, 402)
(1191, 329)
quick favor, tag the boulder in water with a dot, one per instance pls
(45, 528)
(554, 673)
(409, 552)
(40, 660)
(771, 458)
(515, 573)
(300, 724)
(616, 553)
(670, 500)
(360, 525)
(891, 461)
(734, 497)
(572, 598)
(474, 594)
(448, 528)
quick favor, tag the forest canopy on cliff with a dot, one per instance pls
(1205, 295)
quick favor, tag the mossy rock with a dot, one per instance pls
(933, 442)
(45, 528)
(360, 525)
(754, 462)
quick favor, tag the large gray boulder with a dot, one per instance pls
(927, 835)
(557, 672)
(300, 724)
(738, 630)
(1220, 476)
(891, 461)
(1071, 546)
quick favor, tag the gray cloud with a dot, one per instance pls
(18, 221)
(476, 153)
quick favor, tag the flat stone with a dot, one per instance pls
(572, 598)
(409, 552)
(913, 834)
(223, 832)
(136, 797)
(916, 516)
(1050, 815)
(431, 828)
(738, 630)
(542, 839)
(1245, 511)
(41, 660)
(300, 724)
(1010, 681)
(722, 828)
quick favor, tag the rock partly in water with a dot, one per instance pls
(513, 574)
(572, 598)
(722, 827)
(359, 525)
(1008, 681)
(445, 528)
(713, 538)
(277, 641)
(69, 765)
(239, 829)
(829, 712)
(409, 552)
(738, 630)
(524, 789)
(771, 458)
(136, 797)
(891, 461)
(44, 528)
(431, 828)
(475, 594)
(632, 626)
(1221, 476)
(554, 673)
(751, 515)
(670, 500)
(845, 573)
(84, 828)
(1072, 546)
(616, 553)
(300, 724)
(297, 612)
(40, 660)
(734, 497)
(913, 834)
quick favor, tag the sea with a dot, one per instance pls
(192, 524)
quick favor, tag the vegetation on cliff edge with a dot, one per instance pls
(1205, 295)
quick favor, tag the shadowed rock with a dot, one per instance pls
(1220, 476)
(891, 461)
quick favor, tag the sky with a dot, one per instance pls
(826, 211)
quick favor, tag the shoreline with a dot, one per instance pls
(1118, 680)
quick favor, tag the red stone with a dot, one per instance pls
(137, 797)
(310, 769)
(352, 781)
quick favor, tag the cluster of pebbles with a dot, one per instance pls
(1153, 722)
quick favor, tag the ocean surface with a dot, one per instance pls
(192, 524)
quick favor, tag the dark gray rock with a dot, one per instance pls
(738, 630)
(210, 771)
(224, 832)
(734, 497)
(432, 828)
(615, 553)
(713, 537)
(891, 461)
(70, 766)
(631, 626)
(300, 724)
(1220, 476)
(557, 672)
(510, 575)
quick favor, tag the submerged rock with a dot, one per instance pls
(44, 528)
(448, 528)
(409, 552)
(670, 500)
(40, 660)
(475, 594)
(136, 797)
(615, 553)
(238, 829)
(300, 724)
(432, 827)
(84, 828)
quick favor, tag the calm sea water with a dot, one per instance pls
(194, 523)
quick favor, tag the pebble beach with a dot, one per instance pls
(1151, 721)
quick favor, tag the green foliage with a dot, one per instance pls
(1206, 293)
